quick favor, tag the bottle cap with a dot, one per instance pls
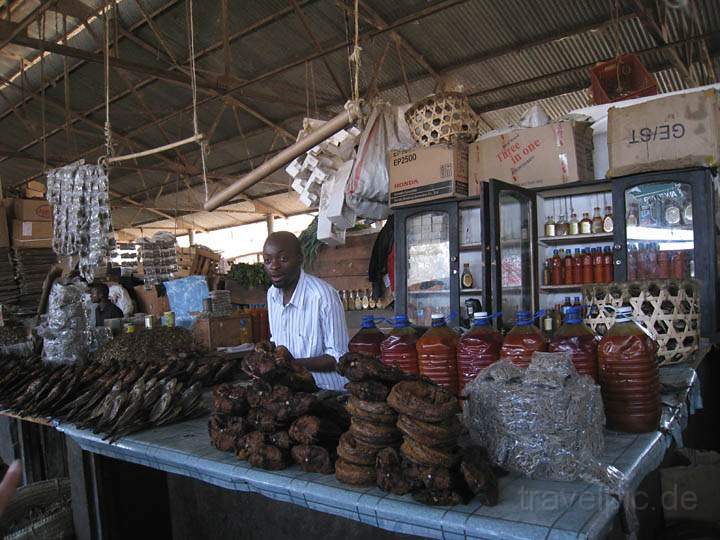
(368, 321)
(555, 251)
(438, 319)
(523, 318)
(572, 315)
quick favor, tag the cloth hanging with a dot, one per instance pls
(379, 259)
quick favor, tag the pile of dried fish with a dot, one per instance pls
(156, 345)
(116, 399)
(278, 418)
(12, 335)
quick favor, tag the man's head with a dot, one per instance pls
(99, 292)
(282, 257)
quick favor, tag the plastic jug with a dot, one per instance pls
(398, 348)
(437, 354)
(368, 338)
(477, 349)
(522, 341)
(576, 338)
(629, 376)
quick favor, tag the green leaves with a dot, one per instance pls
(250, 275)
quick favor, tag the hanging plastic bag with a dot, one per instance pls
(367, 189)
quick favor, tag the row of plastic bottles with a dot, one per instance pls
(622, 362)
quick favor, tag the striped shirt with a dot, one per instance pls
(311, 324)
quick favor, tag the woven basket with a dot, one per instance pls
(670, 309)
(443, 118)
(56, 524)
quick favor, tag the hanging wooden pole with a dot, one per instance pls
(284, 157)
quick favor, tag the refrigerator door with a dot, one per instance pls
(513, 232)
(669, 231)
(426, 261)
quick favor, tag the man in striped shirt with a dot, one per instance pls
(305, 313)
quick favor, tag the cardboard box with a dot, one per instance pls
(223, 331)
(31, 234)
(150, 302)
(32, 210)
(556, 153)
(4, 233)
(666, 133)
(427, 174)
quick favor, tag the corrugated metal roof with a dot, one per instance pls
(507, 54)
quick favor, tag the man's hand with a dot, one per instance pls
(9, 484)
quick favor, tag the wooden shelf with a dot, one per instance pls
(559, 288)
(575, 239)
(471, 247)
(443, 291)
(470, 291)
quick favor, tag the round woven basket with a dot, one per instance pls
(51, 499)
(668, 308)
(442, 118)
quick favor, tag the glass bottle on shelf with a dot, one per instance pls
(343, 297)
(598, 272)
(607, 223)
(372, 301)
(550, 226)
(597, 221)
(632, 218)
(587, 266)
(556, 268)
(548, 325)
(568, 264)
(574, 224)
(577, 267)
(350, 301)
(365, 300)
(586, 224)
(466, 279)
(358, 301)
(547, 273)
(608, 270)
(561, 227)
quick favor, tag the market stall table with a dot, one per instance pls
(527, 509)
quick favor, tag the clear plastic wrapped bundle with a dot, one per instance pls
(543, 422)
(65, 332)
(82, 223)
(159, 257)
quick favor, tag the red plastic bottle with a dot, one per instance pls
(368, 338)
(629, 376)
(437, 354)
(568, 263)
(663, 265)
(556, 268)
(608, 270)
(398, 349)
(587, 266)
(477, 349)
(577, 267)
(576, 338)
(522, 341)
(598, 274)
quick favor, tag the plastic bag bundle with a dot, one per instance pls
(65, 333)
(159, 257)
(543, 422)
(367, 189)
(82, 224)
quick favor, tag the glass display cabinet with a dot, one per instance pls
(670, 230)
(458, 257)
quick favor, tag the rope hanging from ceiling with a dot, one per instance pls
(197, 136)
